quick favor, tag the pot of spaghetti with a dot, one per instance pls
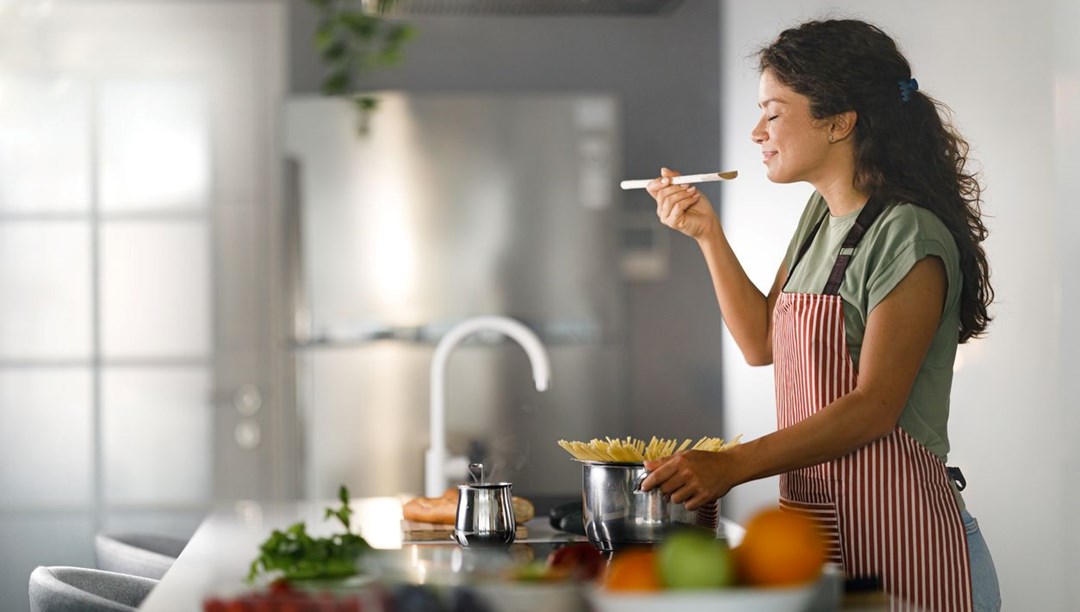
(616, 512)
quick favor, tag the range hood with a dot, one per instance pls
(412, 8)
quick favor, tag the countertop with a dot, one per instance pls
(219, 553)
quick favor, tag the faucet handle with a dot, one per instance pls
(476, 470)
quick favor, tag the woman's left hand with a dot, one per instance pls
(693, 478)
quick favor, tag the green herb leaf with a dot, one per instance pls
(296, 555)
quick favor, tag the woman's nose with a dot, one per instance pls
(758, 134)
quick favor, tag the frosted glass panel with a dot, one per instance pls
(156, 433)
(155, 289)
(46, 437)
(44, 145)
(155, 145)
(45, 288)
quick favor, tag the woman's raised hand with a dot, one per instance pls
(682, 207)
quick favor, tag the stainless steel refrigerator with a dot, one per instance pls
(452, 206)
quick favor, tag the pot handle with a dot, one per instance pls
(640, 479)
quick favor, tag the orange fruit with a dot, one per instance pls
(779, 548)
(633, 570)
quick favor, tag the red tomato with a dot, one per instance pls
(581, 560)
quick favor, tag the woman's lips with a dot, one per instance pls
(767, 155)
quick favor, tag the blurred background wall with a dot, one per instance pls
(665, 72)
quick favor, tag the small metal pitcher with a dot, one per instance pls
(485, 515)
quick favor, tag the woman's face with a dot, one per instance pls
(794, 145)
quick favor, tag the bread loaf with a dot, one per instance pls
(443, 510)
(523, 510)
(439, 510)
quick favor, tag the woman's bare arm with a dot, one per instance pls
(898, 334)
(746, 311)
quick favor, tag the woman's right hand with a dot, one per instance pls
(682, 207)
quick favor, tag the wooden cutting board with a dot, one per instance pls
(414, 531)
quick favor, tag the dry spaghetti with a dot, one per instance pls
(632, 450)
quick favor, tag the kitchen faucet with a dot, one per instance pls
(439, 467)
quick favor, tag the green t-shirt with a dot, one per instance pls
(901, 236)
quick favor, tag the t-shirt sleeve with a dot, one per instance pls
(907, 237)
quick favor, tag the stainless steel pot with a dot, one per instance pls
(618, 513)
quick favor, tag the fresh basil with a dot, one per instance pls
(297, 556)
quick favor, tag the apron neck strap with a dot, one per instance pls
(869, 213)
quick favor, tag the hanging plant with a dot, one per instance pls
(353, 38)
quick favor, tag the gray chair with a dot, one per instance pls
(80, 589)
(138, 554)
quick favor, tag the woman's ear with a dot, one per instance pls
(841, 125)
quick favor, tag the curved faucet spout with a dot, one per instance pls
(438, 467)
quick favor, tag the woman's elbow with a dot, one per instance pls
(758, 358)
(879, 430)
(884, 420)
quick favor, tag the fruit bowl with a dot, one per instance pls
(734, 599)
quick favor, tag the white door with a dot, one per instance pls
(142, 328)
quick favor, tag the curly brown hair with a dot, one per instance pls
(906, 148)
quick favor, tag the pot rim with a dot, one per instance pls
(612, 463)
(485, 485)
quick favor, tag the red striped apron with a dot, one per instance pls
(887, 509)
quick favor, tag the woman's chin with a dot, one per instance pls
(778, 177)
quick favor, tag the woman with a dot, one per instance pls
(884, 277)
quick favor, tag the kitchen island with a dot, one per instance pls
(217, 558)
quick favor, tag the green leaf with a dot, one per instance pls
(351, 41)
(401, 33)
(296, 555)
(337, 82)
(335, 51)
(361, 25)
(324, 36)
(344, 514)
(388, 57)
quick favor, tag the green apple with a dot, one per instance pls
(695, 559)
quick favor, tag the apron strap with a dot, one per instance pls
(869, 213)
(805, 246)
(957, 477)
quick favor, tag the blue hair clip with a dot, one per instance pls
(907, 88)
